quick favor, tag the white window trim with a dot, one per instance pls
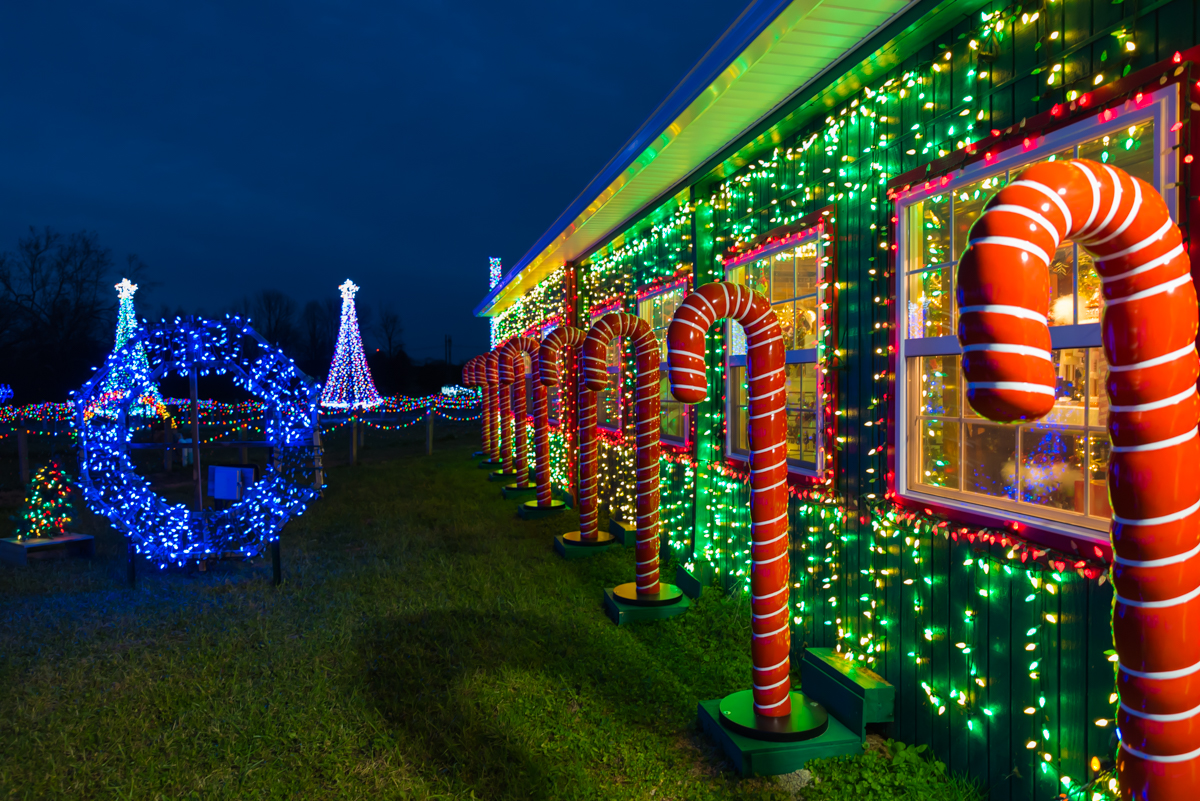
(802, 356)
(686, 440)
(1162, 107)
(593, 313)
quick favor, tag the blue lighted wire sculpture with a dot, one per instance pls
(174, 534)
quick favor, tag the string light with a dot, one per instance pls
(349, 385)
(170, 533)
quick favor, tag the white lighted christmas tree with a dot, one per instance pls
(124, 378)
(349, 385)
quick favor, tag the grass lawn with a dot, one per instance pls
(425, 644)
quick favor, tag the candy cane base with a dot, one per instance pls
(667, 594)
(621, 611)
(530, 510)
(490, 464)
(807, 720)
(573, 545)
(577, 538)
(503, 475)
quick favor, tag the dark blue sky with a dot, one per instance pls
(249, 145)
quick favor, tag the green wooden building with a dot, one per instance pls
(833, 157)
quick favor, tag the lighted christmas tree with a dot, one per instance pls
(349, 385)
(48, 509)
(123, 380)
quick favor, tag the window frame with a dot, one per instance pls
(649, 293)
(613, 305)
(812, 228)
(1162, 108)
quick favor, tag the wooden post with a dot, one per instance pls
(168, 441)
(362, 436)
(318, 471)
(196, 438)
(429, 431)
(354, 441)
(131, 567)
(23, 455)
(244, 434)
(276, 564)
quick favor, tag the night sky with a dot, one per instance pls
(245, 146)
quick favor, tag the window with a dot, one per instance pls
(1052, 473)
(788, 272)
(608, 400)
(658, 310)
(553, 394)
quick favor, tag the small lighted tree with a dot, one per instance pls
(49, 508)
(349, 385)
(125, 379)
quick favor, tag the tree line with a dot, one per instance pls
(58, 316)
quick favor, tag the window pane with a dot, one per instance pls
(806, 269)
(1052, 467)
(673, 419)
(785, 313)
(1097, 391)
(939, 377)
(990, 460)
(801, 419)
(928, 229)
(929, 297)
(758, 278)
(968, 205)
(737, 339)
(1131, 149)
(1098, 452)
(1090, 299)
(1062, 285)
(806, 323)
(937, 453)
(1070, 367)
(738, 400)
(783, 279)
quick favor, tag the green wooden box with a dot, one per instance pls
(853, 694)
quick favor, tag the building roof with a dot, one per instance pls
(774, 52)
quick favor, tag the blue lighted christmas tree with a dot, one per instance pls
(123, 380)
(349, 385)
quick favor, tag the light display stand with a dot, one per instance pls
(645, 598)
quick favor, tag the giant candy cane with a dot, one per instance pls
(501, 434)
(595, 371)
(510, 358)
(1149, 332)
(771, 567)
(470, 378)
(553, 345)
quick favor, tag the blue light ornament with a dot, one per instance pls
(174, 534)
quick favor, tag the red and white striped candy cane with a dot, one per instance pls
(595, 372)
(771, 566)
(470, 378)
(1149, 333)
(555, 343)
(491, 404)
(511, 354)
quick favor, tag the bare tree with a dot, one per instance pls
(56, 295)
(274, 316)
(390, 330)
